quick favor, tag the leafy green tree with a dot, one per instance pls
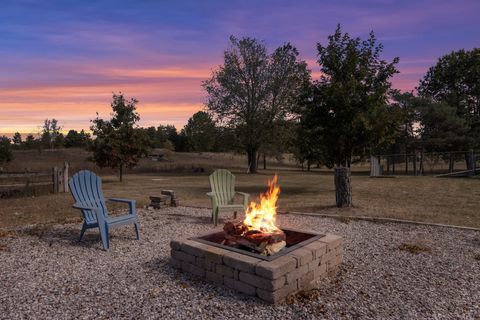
(17, 139)
(454, 80)
(200, 132)
(6, 154)
(226, 140)
(347, 113)
(441, 128)
(151, 132)
(31, 142)
(181, 143)
(281, 140)
(308, 148)
(405, 105)
(75, 139)
(119, 142)
(253, 89)
(59, 141)
(164, 134)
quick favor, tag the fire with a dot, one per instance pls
(262, 216)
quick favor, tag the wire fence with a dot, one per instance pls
(426, 163)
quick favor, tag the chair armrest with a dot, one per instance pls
(83, 206)
(121, 200)
(131, 204)
(243, 194)
(245, 198)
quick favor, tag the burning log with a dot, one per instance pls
(258, 241)
(258, 231)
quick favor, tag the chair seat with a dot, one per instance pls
(231, 206)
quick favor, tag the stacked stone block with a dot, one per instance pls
(272, 281)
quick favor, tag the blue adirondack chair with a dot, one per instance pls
(86, 189)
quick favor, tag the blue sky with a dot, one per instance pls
(64, 59)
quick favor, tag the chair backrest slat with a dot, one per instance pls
(86, 188)
(222, 183)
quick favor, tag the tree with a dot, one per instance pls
(281, 140)
(59, 141)
(405, 104)
(119, 143)
(31, 142)
(252, 89)
(6, 154)
(17, 139)
(75, 139)
(442, 129)
(50, 132)
(200, 132)
(164, 136)
(346, 112)
(454, 80)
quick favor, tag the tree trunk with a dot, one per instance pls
(422, 169)
(343, 187)
(469, 160)
(252, 160)
(415, 173)
(393, 164)
(121, 172)
(451, 162)
(308, 165)
(264, 162)
(406, 164)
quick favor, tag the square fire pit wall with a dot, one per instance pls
(272, 279)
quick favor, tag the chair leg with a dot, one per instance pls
(104, 235)
(137, 230)
(215, 217)
(84, 227)
(234, 214)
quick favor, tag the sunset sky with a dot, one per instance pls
(63, 59)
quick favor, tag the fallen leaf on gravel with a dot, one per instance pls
(413, 248)
(7, 234)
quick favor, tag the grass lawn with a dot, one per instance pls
(426, 199)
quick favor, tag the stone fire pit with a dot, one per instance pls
(300, 266)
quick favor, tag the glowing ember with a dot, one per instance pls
(262, 216)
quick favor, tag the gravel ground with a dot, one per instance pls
(390, 271)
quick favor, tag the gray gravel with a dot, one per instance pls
(46, 274)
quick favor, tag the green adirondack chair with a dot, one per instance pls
(223, 193)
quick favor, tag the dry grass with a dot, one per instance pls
(426, 199)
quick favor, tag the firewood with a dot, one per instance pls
(256, 240)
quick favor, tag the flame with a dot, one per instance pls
(262, 216)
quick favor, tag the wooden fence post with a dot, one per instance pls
(55, 179)
(65, 177)
(60, 181)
